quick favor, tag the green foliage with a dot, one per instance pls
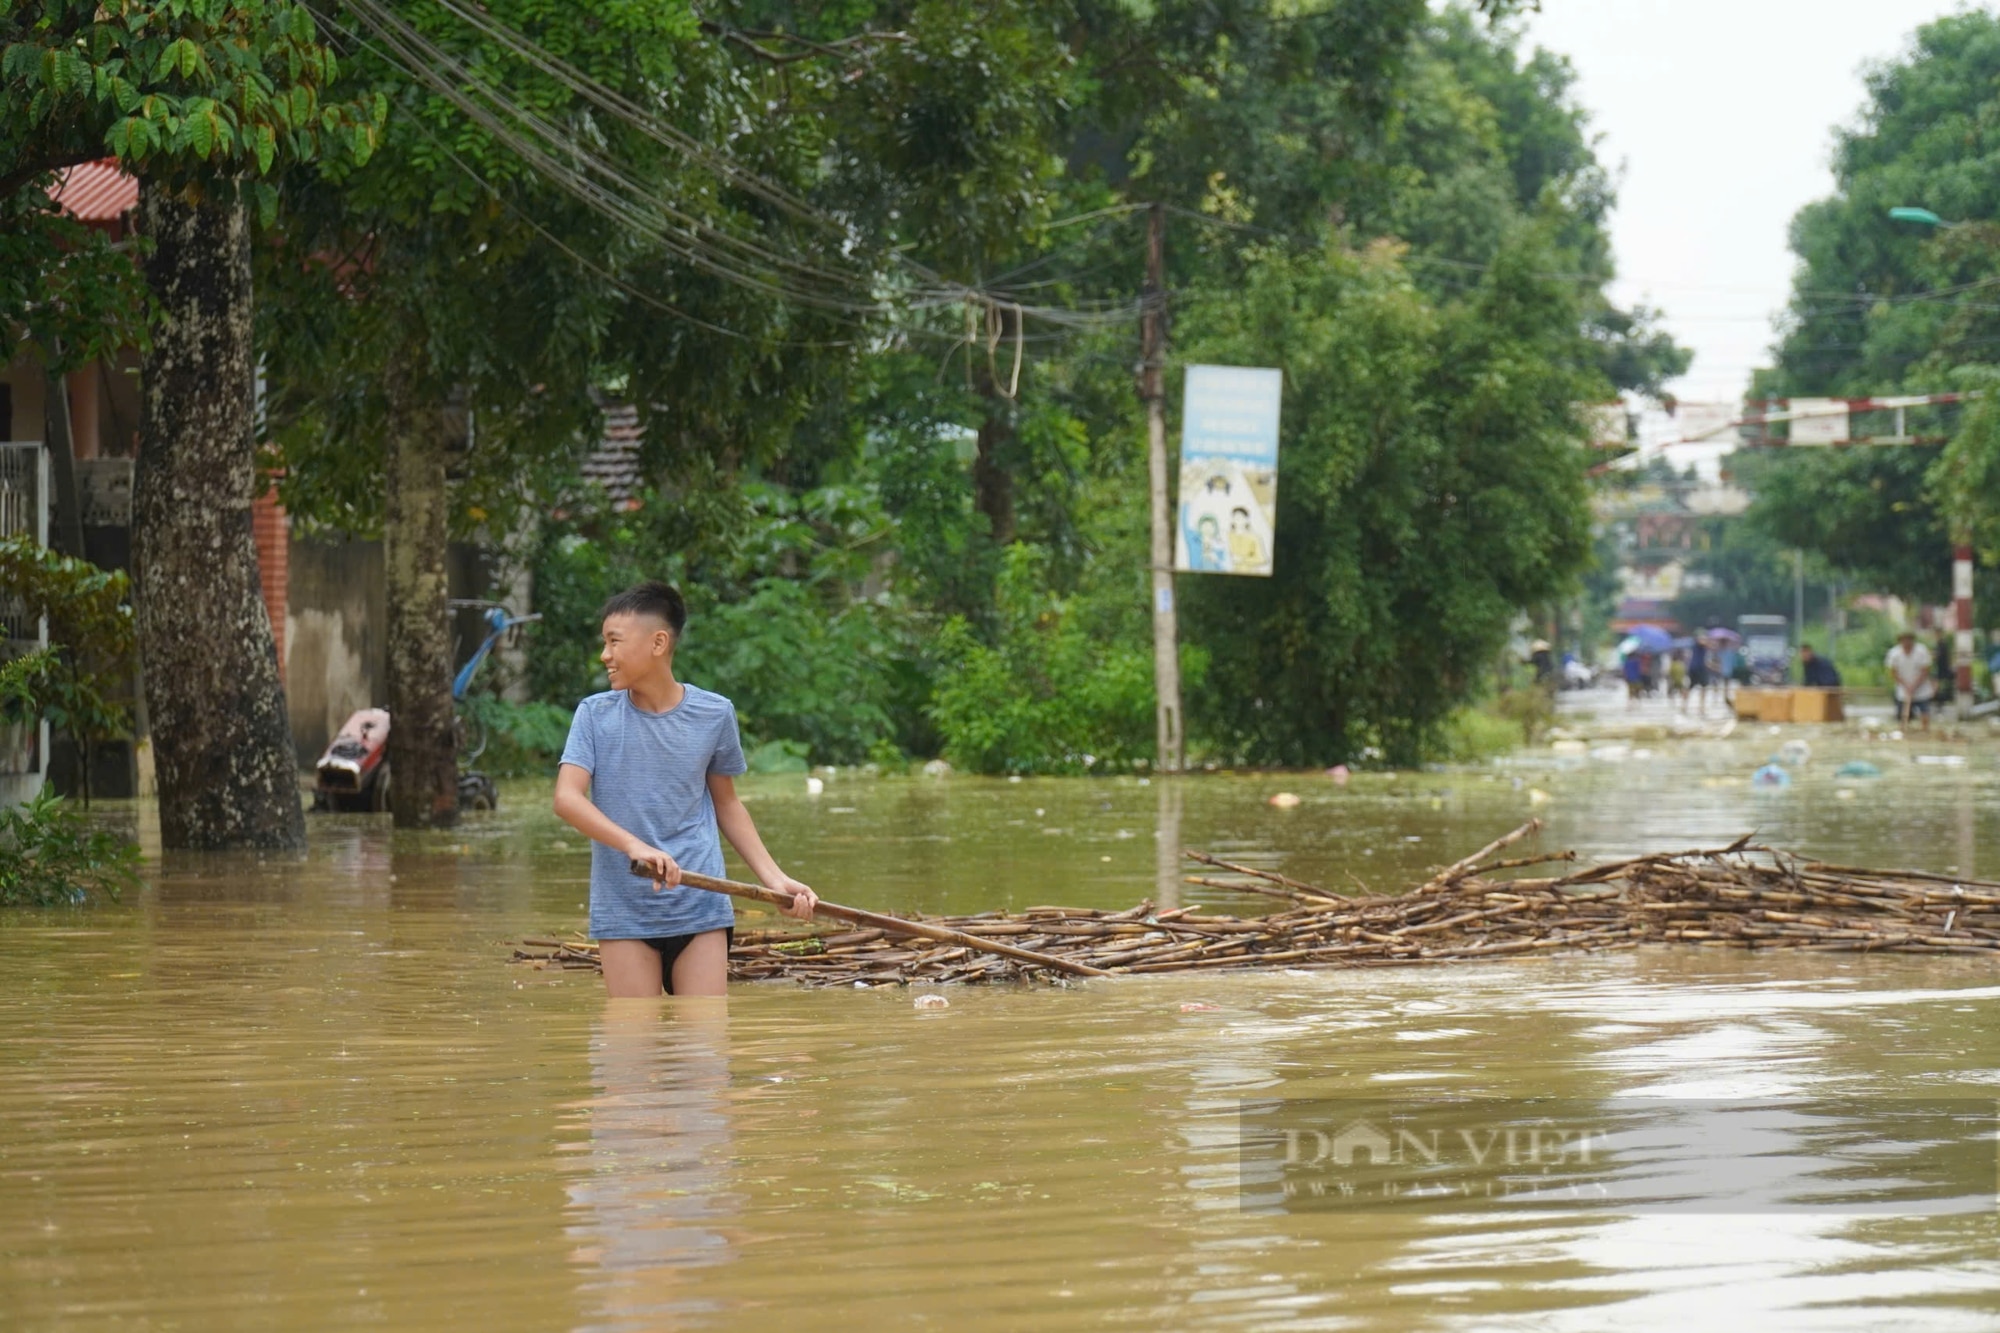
(1964, 483)
(797, 672)
(182, 91)
(1865, 512)
(197, 96)
(1047, 696)
(1880, 307)
(88, 609)
(1738, 569)
(1532, 708)
(807, 658)
(68, 295)
(92, 641)
(1876, 306)
(778, 757)
(1431, 486)
(50, 856)
(1861, 648)
(522, 739)
(1471, 733)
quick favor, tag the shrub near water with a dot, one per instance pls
(1047, 696)
(522, 739)
(51, 857)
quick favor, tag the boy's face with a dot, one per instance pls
(635, 646)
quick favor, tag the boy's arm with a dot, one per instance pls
(575, 808)
(733, 818)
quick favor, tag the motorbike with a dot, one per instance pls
(353, 774)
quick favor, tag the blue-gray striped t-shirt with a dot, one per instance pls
(649, 773)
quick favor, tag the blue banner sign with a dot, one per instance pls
(1229, 470)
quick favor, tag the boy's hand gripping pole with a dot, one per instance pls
(893, 924)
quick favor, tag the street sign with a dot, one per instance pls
(1227, 516)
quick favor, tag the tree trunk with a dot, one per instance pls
(221, 739)
(423, 755)
(993, 487)
(66, 529)
(997, 382)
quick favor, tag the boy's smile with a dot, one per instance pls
(637, 650)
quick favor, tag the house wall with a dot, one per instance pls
(335, 632)
(333, 638)
(24, 384)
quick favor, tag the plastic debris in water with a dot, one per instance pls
(1794, 754)
(1770, 775)
(814, 786)
(1285, 800)
(1536, 796)
(1943, 760)
(1857, 768)
(1843, 794)
(932, 1002)
(1200, 1007)
(1339, 774)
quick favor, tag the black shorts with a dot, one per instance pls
(670, 946)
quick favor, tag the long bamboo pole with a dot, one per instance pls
(894, 924)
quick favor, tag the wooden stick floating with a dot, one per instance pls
(1736, 896)
(893, 924)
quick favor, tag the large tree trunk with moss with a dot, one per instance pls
(221, 740)
(423, 756)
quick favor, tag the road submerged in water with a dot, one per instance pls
(314, 1094)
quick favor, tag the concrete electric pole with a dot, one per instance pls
(1152, 389)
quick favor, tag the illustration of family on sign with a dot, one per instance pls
(1225, 519)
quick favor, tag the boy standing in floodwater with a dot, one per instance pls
(648, 776)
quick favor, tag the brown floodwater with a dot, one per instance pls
(313, 1093)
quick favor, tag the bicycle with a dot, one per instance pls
(476, 790)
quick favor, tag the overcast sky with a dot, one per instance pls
(1719, 117)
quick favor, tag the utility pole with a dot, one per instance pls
(1152, 388)
(1962, 646)
(1798, 596)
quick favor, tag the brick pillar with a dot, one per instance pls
(273, 529)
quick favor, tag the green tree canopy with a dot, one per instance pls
(1882, 307)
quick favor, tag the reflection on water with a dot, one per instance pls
(308, 1093)
(650, 1200)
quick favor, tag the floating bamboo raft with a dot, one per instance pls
(1485, 906)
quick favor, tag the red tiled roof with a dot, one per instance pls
(97, 191)
(614, 464)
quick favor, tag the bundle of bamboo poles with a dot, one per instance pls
(1484, 906)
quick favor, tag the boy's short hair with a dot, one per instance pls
(651, 598)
